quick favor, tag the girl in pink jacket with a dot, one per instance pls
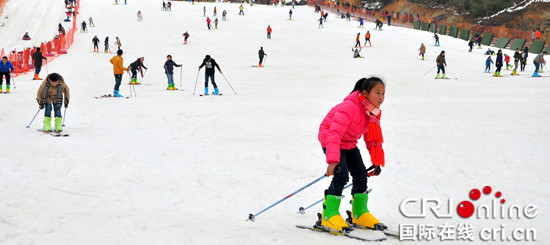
(358, 115)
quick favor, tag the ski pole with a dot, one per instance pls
(265, 59)
(13, 80)
(181, 72)
(252, 217)
(28, 126)
(228, 83)
(143, 77)
(430, 70)
(196, 80)
(64, 116)
(302, 210)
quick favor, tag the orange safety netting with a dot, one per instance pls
(22, 59)
(2, 5)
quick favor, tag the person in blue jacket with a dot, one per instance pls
(5, 68)
(169, 70)
(361, 23)
(488, 63)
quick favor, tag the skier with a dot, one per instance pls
(204, 11)
(358, 115)
(241, 10)
(169, 5)
(164, 6)
(5, 68)
(261, 55)
(95, 41)
(138, 64)
(91, 22)
(367, 39)
(106, 43)
(498, 63)
(224, 15)
(348, 16)
(361, 22)
(489, 52)
(507, 60)
(356, 52)
(52, 94)
(169, 70)
(185, 36)
(440, 60)
(525, 54)
(208, 22)
(139, 16)
(83, 26)
(422, 50)
(216, 23)
(290, 14)
(471, 44)
(325, 16)
(209, 73)
(436, 39)
(37, 58)
(118, 43)
(321, 23)
(118, 68)
(517, 59)
(357, 40)
(215, 11)
(488, 63)
(538, 61)
(269, 31)
(59, 28)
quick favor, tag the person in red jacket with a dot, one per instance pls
(269, 31)
(357, 116)
(507, 60)
(358, 40)
(208, 22)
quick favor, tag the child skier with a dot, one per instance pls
(185, 36)
(507, 60)
(138, 64)
(367, 39)
(498, 63)
(118, 43)
(5, 68)
(441, 63)
(422, 50)
(489, 52)
(358, 115)
(37, 58)
(209, 73)
(361, 22)
(261, 55)
(169, 70)
(95, 41)
(118, 69)
(52, 94)
(436, 39)
(488, 63)
(517, 59)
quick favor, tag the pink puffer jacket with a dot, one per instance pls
(342, 127)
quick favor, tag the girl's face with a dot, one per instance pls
(376, 95)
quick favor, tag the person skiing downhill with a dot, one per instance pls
(358, 40)
(361, 22)
(367, 39)
(538, 61)
(169, 70)
(471, 45)
(440, 60)
(358, 115)
(422, 50)
(106, 43)
(488, 63)
(224, 15)
(91, 22)
(185, 36)
(95, 41)
(209, 73)
(216, 23)
(6, 67)
(290, 14)
(118, 43)
(139, 15)
(215, 11)
(52, 94)
(261, 55)
(83, 25)
(498, 63)
(507, 60)
(118, 69)
(321, 23)
(269, 31)
(204, 11)
(37, 58)
(208, 22)
(134, 67)
(436, 39)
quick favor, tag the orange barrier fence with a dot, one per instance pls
(2, 5)
(22, 59)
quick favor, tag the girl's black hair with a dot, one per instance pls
(367, 84)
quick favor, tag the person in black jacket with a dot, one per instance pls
(37, 58)
(106, 42)
(169, 70)
(95, 41)
(261, 54)
(517, 59)
(498, 63)
(134, 67)
(209, 73)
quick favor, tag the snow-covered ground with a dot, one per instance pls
(167, 167)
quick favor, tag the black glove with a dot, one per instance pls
(376, 170)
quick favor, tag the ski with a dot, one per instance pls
(109, 96)
(141, 84)
(350, 233)
(42, 131)
(378, 227)
(220, 94)
(448, 78)
(59, 134)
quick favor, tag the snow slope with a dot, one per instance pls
(167, 167)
